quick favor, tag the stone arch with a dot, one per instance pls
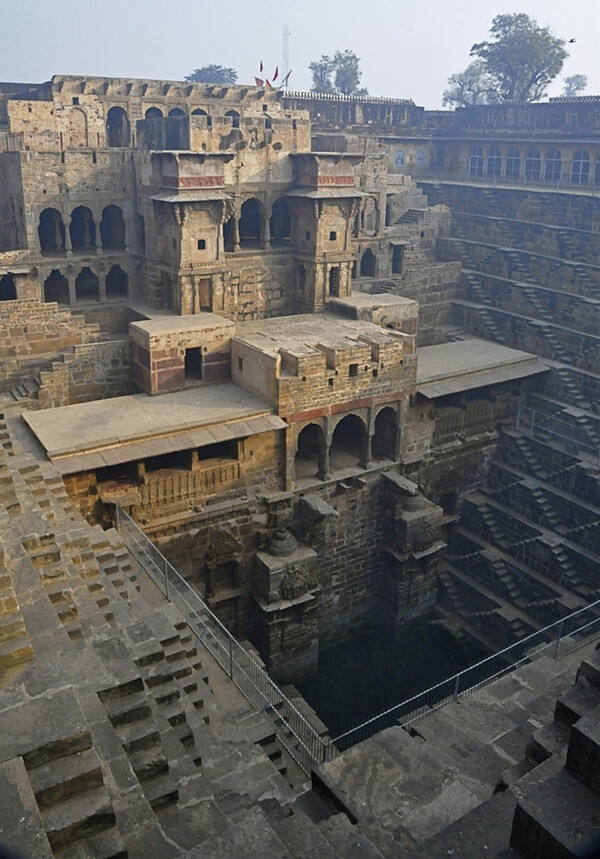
(112, 228)
(309, 451)
(280, 222)
(117, 283)
(384, 438)
(176, 111)
(78, 127)
(512, 167)
(475, 161)
(553, 166)
(153, 113)
(87, 285)
(82, 229)
(347, 443)
(532, 164)
(56, 288)
(51, 232)
(368, 216)
(251, 223)
(368, 264)
(580, 167)
(8, 288)
(235, 118)
(200, 112)
(493, 163)
(117, 128)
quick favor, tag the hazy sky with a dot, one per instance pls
(407, 49)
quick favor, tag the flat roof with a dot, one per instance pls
(301, 334)
(366, 299)
(181, 324)
(466, 364)
(121, 429)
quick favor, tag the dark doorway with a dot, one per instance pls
(153, 113)
(334, 281)
(117, 128)
(82, 229)
(87, 286)
(347, 443)
(308, 451)
(229, 235)
(280, 222)
(367, 264)
(51, 232)
(397, 254)
(112, 229)
(56, 288)
(116, 283)
(8, 290)
(250, 224)
(384, 439)
(235, 118)
(193, 364)
(176, 111)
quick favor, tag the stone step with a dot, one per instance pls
(161, 792)
(583, 754)
(12, 626)
(148, 764)
(139, 736)
(15, 651)
(61, 778)
(303, 839)
(128, 709)
(574, 704)
(78, 817)
(558, 819)
(590, 669)
(107, 844)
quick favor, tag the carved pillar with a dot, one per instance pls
(236, 232)
(72, 292)
(58, 237)
(102, 286)
(266, 234)
(324, 472)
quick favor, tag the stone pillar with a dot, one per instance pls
(236, 233)
(68, 243)
(102, 287)
(266, 235)
(400, 412)
(324, 472)
(72, 292)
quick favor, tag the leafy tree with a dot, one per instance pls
(213, 75)
(344, 68)
(321, 74)
(473, 86)
(521, 56)
(574, 84)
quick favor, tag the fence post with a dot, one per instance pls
(456, 687)
(166, 578)
(230, 658)
(558, 638)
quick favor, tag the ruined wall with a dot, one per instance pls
(12, 217)
(93, 371)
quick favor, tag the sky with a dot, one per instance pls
(407, 49)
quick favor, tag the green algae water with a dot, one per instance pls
(359, 678)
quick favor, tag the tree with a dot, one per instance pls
(321, 74)
(522, 57)
(345, 70)
(473, 86)
(574, 84)
(213, 75)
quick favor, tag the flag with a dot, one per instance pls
(285, 80)
(258, 81)
(275, 76)
(261, 66)
(268, 85)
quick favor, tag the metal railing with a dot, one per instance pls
(556, 640)
(293, 731)
(571, 438)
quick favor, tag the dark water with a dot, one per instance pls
(361, 677)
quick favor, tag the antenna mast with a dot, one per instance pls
(285, 53)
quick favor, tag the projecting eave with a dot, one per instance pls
(190, 197)
(326, 193)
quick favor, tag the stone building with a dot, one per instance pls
(338, 359)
